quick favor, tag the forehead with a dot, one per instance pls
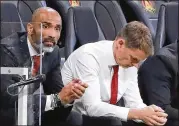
(50, 17)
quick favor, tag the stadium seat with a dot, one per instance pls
(167, 29)
(11, 22)
(145, 11)
(93, 21)
(27, 7)
(19, 11)
(62, 7)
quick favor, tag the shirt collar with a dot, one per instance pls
(109, 54)
(32, 51)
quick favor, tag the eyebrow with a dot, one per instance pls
(48, 23)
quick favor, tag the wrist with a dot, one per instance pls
(61, 99)
(134, 114)
(56, 101)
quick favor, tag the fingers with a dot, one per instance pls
(160, 120)
(75, 96)
(156, 108)
(76, 80)
(153, 122)
(78, 91)
(74, 89)
(81, 87)
(84, 85)
(148, 122)
(79, 82)
(161, 114)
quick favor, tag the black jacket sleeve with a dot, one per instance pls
(7, 102)
(155, 82)
(54, 84)
(7, 60)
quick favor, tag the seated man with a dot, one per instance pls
(107, 67)
(158, 79)
(19, 50)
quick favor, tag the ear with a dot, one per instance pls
(120, 43)
(30, 29)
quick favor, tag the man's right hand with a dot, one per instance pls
(73, 90)
(153, 115)
(150, 115)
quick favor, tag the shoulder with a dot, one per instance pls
(12, 39)
(158, 65)
(152, 63)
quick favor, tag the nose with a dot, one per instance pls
(52, 33)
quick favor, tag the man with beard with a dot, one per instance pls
(23, 49)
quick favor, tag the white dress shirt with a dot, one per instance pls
(33, 52)
(92, 63)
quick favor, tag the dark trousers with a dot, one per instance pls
(108, 121)
(112, 121)
(172, 122)
(56, 117)
(101, 121)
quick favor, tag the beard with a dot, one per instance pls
(45, 49)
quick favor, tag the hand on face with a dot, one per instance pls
(73, 90)
(153, 115)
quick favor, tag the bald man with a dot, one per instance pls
(19, 52)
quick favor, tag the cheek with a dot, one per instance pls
(58, 36)
(58, 33)
(37, 33)
(125, 59)
(125, 56)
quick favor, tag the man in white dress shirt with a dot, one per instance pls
(93, 63)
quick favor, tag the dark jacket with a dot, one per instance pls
(158, 80)
(15, 53)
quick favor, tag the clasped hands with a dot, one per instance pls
(73, 90)
(153, 115)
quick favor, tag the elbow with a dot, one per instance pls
(91, 109)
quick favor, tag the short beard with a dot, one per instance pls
(45, 49)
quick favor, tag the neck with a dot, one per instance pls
(114, 50)
(33, 44)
